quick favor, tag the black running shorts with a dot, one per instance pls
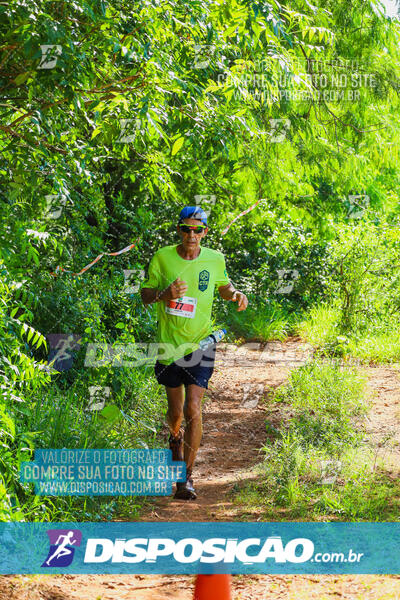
(196, 367)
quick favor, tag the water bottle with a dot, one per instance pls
(213, 338)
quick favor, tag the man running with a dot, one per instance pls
(182, 279)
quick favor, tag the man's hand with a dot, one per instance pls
(177, 289)
(228, 292)
(241, 299)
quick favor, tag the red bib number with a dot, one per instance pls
(182, 307)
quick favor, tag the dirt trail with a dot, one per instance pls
(177, 587)
(383, 422)
(234, 431)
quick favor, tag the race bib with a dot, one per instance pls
(182, 307)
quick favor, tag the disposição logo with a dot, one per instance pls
(190, 550)
(61, 551)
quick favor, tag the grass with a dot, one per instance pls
(309, 485)
(376, 341)
(326, 399)
(380, 347)
(261, 321)
(318, 466)
(320, 327)
(60, 418)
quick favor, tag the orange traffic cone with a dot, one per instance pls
(213, 587)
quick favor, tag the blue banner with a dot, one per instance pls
(99, 472)
(187, 548)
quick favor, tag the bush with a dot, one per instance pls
(262, 321)
(326, 399)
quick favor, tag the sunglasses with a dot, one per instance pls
(194, 228)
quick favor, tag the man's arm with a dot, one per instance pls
(228, 292)
(173, 291)
(150, 295)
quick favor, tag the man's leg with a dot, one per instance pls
(176, 398)
(192, 439)
(191, 405)
(174, 418)
(194, 426)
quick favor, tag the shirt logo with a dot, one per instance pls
(204, 278)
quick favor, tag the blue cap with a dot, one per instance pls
(193, 212)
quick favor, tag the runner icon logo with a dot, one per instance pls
(204, 278)
(61, 552)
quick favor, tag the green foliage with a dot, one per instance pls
(326, 399)
(261, 321)
(361, 315)
(318, 465)
(363, 274)
(291, 486)
(21, 379)
(320, 328)
(137, 108)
